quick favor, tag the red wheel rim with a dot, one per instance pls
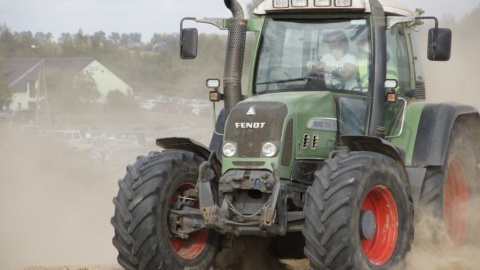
(456, 202)
(380, 247)
(191, 247)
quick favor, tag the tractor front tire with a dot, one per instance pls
(358, 214)
(142, 230)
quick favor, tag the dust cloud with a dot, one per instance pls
(433, 250)
(55, 207)
(455, 80)
(56, 204)
(452, 81)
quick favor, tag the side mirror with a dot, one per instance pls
(439, 44)
(188, 43)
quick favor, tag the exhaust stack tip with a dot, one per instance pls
(235, 8)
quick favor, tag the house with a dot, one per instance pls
(23, 76)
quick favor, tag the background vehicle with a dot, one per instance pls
(329, 173)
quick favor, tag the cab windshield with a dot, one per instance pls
(311, 55)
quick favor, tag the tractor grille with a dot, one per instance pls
(251, 124)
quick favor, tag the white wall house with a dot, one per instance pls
(106, 80)
(23, 75)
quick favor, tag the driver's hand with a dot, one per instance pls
(311, 65)
(328, 69)
(337, 74)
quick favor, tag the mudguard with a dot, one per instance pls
(186, 144)
(374, 144)
(434, 129)
(196, 147)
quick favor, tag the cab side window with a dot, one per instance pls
(398, 66)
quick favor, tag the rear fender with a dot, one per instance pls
(374, 144)
(433, 134)
(434, 130)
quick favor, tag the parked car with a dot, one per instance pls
(85, 144)
(67, 136)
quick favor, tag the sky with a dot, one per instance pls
(148, 16)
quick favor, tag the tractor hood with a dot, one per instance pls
(297, 124)
(300, 104)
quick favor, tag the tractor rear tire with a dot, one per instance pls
(358, 214)
(147, 192)
(449, 192)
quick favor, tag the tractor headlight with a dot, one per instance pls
(229, 149)
(269, 149)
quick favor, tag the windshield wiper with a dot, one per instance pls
(284, 81)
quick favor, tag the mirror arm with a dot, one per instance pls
(435, 34)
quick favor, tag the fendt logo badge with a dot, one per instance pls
(251, 111)
(249, 125)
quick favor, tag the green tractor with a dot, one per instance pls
(330, 153)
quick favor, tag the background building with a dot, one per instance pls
(24, 74)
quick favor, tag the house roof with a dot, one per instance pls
(17, 70)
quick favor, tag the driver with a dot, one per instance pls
(339, 65)
(362, 39)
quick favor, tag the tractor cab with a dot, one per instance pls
(364, 52)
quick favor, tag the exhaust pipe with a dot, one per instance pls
(235, 8)
(237, 31)
(379, 68)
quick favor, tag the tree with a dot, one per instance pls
(25, 40)
(85, 88)
(66, 45)
(124, 39)
(97, 41)
(42, 37)
(135, 38)
(69, 92)
(114, 38)
(8, 42)
(81, 44)
(118, 101)
(65, 38)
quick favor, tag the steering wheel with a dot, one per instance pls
(315, 79)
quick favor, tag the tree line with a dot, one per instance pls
(154, 67)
